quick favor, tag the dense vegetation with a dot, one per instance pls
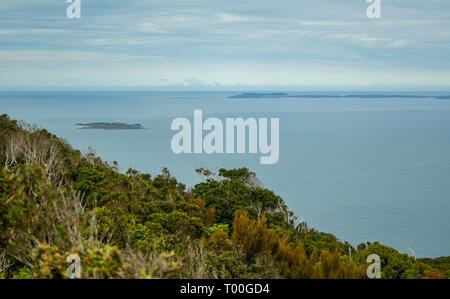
(55, 201)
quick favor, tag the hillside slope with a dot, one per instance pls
(55, 201)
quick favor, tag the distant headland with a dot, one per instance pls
(110, 126)
(260, 95)
(276, 95)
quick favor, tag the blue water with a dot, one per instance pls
(362, 169)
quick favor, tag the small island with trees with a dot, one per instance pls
(110, 126)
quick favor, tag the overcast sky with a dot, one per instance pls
(226, 44)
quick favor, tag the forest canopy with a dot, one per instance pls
(56, 201)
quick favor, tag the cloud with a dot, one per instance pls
(65, 56)
(327, 23)
(214, 42)
(367, 41)
(233, 18)
(398, 44)
(152, 28)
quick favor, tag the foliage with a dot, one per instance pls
(55, 201)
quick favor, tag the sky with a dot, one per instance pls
(225, 45)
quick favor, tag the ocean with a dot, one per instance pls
(361, 169)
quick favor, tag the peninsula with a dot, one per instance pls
(277, 95)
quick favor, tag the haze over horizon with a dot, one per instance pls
(217, 45)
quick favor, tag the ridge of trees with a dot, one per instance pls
(56, 201)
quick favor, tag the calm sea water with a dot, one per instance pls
(362, 169)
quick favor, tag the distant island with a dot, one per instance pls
(277, 95)
(261, 95)
(110, 126)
